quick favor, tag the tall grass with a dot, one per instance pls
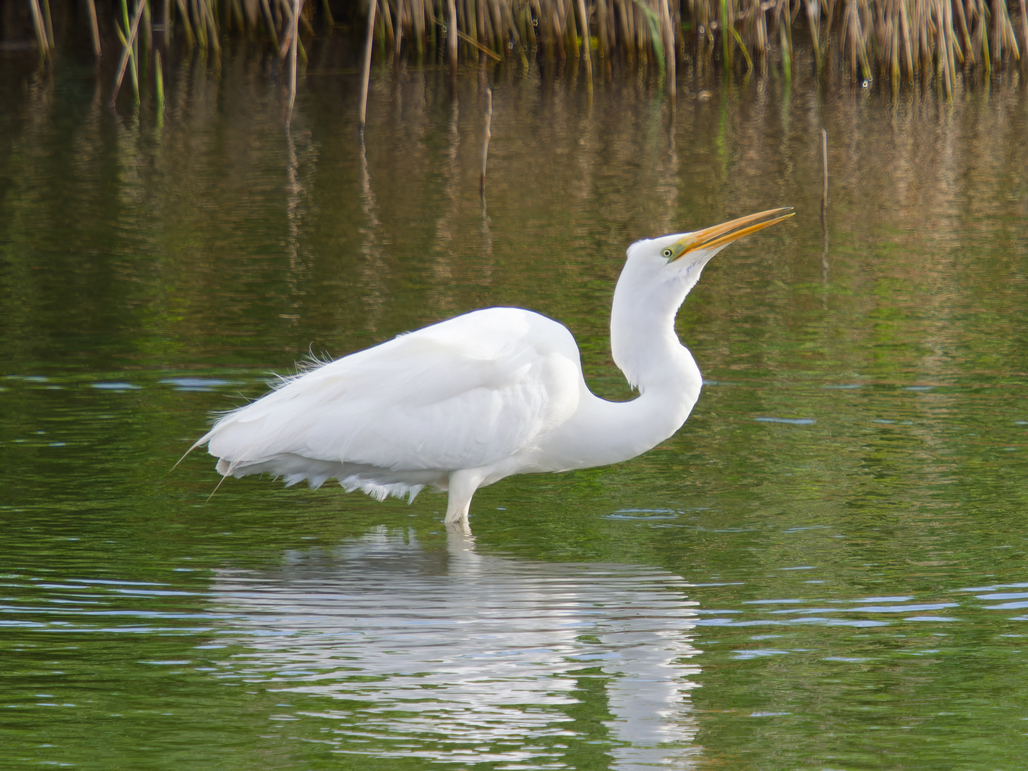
(898, 40)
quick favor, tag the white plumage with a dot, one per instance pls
(466, 402)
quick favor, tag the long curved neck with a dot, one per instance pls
(642, 328)
(647, 350)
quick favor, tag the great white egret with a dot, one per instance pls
(466, 402)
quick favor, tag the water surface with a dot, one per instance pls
(824, 569)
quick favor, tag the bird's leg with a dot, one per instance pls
(462, 487)
(457, 508)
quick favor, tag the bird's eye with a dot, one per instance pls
(668, 253)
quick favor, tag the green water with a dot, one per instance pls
(825, 569)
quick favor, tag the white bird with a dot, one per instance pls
(466, 402)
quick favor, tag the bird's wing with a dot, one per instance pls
(460, 394)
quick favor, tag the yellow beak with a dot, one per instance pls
(726, 232)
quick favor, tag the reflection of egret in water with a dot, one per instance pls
(456, 656)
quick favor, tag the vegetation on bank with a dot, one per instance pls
(895, 40)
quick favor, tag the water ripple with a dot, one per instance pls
(444, 652)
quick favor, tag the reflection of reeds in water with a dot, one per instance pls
(899, 39)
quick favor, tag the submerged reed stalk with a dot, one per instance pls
(488, 134)
(294, 36)
(587, 52)
(366, 77)
(159, 87)
(824, 190)
(48, 24)
(39, 27)
(94, 28)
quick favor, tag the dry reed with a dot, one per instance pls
(38, 25)
(486, 135)
(824, 187)
(898, 40)
(366, 76)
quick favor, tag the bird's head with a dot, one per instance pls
(682, 256)
(657, 276)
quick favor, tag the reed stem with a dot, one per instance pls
(294, 36)
(37, 24)
(668, 34)
(487, 134)
(159, 87)
(451, 34)
(824, 191)
(94, 28)
(128, 51)
(587, 48)
(366, 75)
(48, 24)
(940, 40)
